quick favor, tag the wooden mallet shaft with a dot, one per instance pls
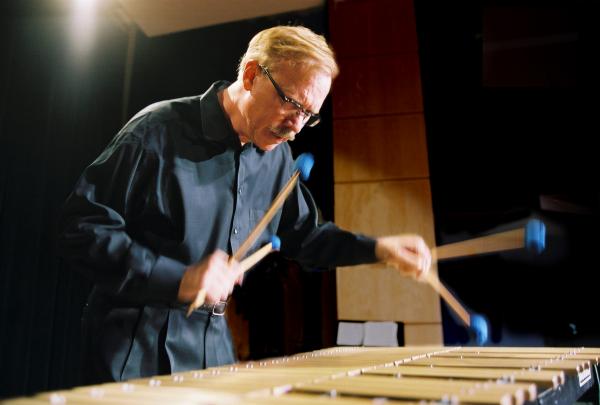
(264, 221)
(435, 283)
(302, 168)
(508, 240)
(260, 254)
(532, 236)
(476, 323)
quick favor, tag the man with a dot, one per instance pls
(154, 219)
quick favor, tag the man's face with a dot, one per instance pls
(271, 121)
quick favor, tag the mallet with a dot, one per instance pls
(478, 324)
(250, 261)
(532, 237)
(302, 168)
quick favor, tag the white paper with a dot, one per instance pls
(350, 333)
(381, 334)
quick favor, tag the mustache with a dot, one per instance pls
(284, 133)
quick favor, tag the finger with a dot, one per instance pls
(425, 251)
(212, 296)
(233, 272)
(410, 265)
(217, 259)
(218, 294)
(406, 257)
(218, 286)
(217, 268)
(226, 291)
(221, 255)
(422, 274)
(224, 282)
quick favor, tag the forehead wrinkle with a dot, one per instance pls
(307, 79)
(305, 96)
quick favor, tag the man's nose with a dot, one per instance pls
(295, 122)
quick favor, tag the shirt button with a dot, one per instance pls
(235, 230)
(240, 190)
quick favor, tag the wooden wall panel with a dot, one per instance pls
(380, 159)
(380, 148)
(378, 85)
(421, 334)
(384, 208)
(385, 26)
(375, 293)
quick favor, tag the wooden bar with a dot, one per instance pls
(544, 378)
(353, 375)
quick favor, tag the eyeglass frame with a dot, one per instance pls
(313, 119)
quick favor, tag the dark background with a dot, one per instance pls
(509, 98)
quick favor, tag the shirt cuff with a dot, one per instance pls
(164, 280)
(368, 244)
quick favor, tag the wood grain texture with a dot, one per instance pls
(380, 155)
(380, 148)
(375, 85)
(373, 293)
(386, 208)
(419, 334)
(386, 26)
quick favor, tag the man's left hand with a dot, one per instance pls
(407, 253)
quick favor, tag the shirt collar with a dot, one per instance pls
(215, 123)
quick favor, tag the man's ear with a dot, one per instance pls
(250, 72)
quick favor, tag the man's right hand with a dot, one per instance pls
(215, 274)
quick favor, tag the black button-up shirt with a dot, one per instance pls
(173, 186)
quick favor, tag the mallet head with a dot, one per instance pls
(275, 242)
(535, 235)
(480, 326)
(304, 164)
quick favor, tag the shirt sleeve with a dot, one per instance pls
(324, 245)
(93, 228)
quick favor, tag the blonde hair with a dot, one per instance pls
(295, 45)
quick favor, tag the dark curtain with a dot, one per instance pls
(58, 110)
(60, 104)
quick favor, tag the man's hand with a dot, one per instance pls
(215, 274)
(407, 253)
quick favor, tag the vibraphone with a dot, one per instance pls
(350, 375)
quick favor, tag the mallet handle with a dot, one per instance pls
(508, 240)
(255, 257)
(449, 298)
(262, 224)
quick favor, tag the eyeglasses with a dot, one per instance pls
(311, 118)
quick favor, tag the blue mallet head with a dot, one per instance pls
(535, 235)
(304, 164)
(481, 328)
(275, 242)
